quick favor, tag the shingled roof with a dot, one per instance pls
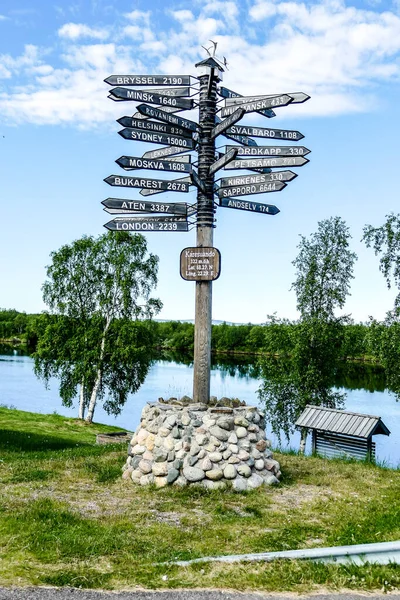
(340, 421)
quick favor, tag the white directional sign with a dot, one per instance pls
(226, 93)
(249, 205)
(146, 183)
(161, 152)
(120, 205)
(223, 125)
(271, 151)
(148, 80)
(270, 163)
(150, 98)
(136, 162)
(156, 138)
(234, 181)
(260, 104)
(224, 160)
(175, 185)
(255, 188)
(148, 224)
(264, 132)
(162, 115)
(297, 98)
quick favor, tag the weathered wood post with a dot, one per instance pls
(209, 73)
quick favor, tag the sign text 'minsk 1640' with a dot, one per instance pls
(151, 98)
(200, 264)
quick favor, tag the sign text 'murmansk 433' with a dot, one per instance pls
(266, 209)
(156, 138)
(136, 162)
(200, 263)
(255, 188)
(154, 126)
(251, 179)
(226, 93)
(271, 150)
(148, 80)
(115, 205)
(144, 182)
(167, 117)
(151, 98)
(297, 98)
(260, 104)
(148, 224)
(270, 163)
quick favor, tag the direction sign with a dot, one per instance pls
(272, 151)
(136, 162)
(297, 98)
(183, 92)
(156, 138)
(117, 205)
(148, 224)
(200, 263)
(223, 125)
(224, 160)
(263, 132)
(154, 126)
(150, 192)
(266, 209)
(260, 104)
(144, 182)
(226, 93)
(261, 163)
(160, 152)
(255, 188)
(199, 183)
(148, 80)
(260, 170)
(162, 115)
(151, 98)
(251, 179)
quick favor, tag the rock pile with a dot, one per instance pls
(210, 446)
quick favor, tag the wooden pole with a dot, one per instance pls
(205, 225)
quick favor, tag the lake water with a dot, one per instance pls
(20, 388)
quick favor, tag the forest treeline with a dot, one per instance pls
(359, 340)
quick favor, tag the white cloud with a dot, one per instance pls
(2, 18)
(139, 15)
(74, 31)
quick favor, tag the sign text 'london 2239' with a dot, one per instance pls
(257, 105)
(136, 162)
(151, 98)
(261, 163)
(266, 209)
(162, 115)
(115, 205)
(156, 138)
(200, 264)
(272, 151)
(148, 80)
(156, 126)
(256, 188)
(144, 182)
(148, 224)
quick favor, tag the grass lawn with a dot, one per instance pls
(67, 518)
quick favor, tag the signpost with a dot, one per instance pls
(159, 124)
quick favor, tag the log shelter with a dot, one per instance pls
(340, 433)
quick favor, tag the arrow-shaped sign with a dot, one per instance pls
(156, 138)
(144, 182)
(255, 188)
(263, 132)
(297, 98)
(119, 205)
(270, 163)
(260, 170)
(199, 183)
(154, 126)
(183, 181)
(183, 92)
(271, 151)
(148, 80)
(136, 162)
(148, 224)
(231, 120)
(227, 182)
(151, 98)
(224, 160)
(160, 152)
(162, 115)
(260, 104)
(226, 93)
(266, 209)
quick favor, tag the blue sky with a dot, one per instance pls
(58, 135)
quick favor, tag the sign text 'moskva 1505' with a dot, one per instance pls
(200, 264)
(148, 224)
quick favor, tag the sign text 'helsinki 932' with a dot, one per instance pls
(156, 122)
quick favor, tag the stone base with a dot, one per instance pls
(214, 447)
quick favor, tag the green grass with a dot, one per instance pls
(68, 519)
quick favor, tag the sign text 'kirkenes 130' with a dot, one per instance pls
(148, 224)
(200, 264)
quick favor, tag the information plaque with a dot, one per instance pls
(200, 264)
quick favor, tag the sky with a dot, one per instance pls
(59, 140)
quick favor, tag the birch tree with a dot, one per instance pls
(95, 337)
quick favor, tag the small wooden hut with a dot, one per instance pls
(341, 433)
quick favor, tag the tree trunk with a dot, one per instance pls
(95, 390)
(303, 440)
(82, 400)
